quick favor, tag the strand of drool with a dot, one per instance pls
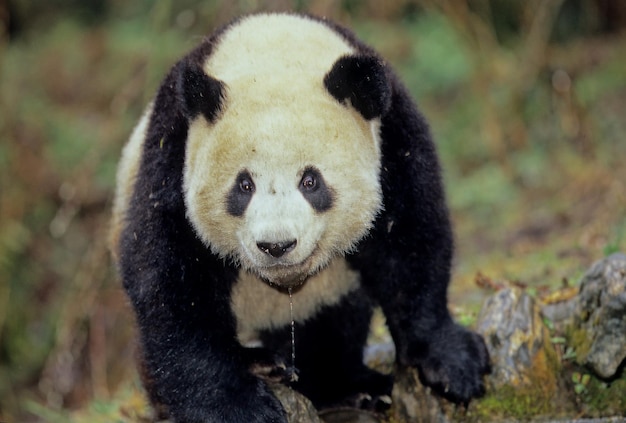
(294, 376)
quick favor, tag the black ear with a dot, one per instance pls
(199, 92)
(363, 81)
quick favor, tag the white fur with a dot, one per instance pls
(259, 306)
(126, 176)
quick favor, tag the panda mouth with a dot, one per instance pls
(286, 286)
(285, 276)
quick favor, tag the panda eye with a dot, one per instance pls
(246, 185)
(314, 189)
(308, 182)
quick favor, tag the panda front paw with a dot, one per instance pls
(455, 363)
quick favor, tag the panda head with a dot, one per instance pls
(283, 151)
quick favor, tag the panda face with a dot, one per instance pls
(286, 177)
(282, 190)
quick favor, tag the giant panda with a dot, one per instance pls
(283, 158)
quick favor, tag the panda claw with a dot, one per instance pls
(269, 367)
(364, 401)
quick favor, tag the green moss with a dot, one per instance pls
(509, 402)
(531, 399)
(579, 341)
(552, 358)
(606, 398)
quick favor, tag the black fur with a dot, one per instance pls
(362, 81)
(240, 194)
(200, 93)
(315, 190)
(194, 367)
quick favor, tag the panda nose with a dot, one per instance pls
(276, 249)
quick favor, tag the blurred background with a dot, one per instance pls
(526, 99)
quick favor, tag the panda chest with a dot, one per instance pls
(257, 306)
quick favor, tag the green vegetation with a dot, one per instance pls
(530, 131)
(509, 402)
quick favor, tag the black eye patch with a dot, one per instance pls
(315, 191)
(240, 194)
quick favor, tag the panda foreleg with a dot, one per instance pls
(200, 375)
(405, 262)
(194, 368)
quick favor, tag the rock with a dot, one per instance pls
(561, 311)
(412, 402)
(349, 416)
(299, 409)
(380, 357)
(598, 332)
(522, 355)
